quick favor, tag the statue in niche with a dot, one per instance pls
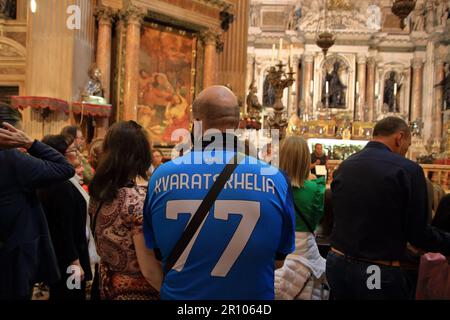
(418, 18)
(253, 105)
(445, 84)
(8, 9)
(440, 12)
(94, 92)
(294, 16)
(268, 93)
(254, 16)
(429, 16)
(374, 17)
(336, 89)
(391, 89)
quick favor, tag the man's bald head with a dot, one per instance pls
(217, 108)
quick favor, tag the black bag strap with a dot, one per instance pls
(300, 214)
(94, 220)
(201, 212)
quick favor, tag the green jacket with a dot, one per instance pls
(310, 200)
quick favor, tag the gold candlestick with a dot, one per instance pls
(280, 80)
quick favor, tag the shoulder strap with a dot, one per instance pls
(94, 220)
(201, 213)
(300, 214)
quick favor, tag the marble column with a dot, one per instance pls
(233, 60)
(417, 89)
(105, 16)
(370, 92)
(133, 17)
(361, 102)
(210, 39)
(438, 98)
(308, 69)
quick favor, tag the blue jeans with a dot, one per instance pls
(351, 279)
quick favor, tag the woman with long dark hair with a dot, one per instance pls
(128, 269)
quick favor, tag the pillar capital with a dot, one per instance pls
(371, 61)
(361, 59)
(417, 63)
(308, 58)
(105, 15)
(132, 15)
(211, 37)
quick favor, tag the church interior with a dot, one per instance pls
(347, 65)
(325, 70)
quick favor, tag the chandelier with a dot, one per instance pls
(402, 9)
(325, 40)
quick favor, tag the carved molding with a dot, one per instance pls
(11, 49)
(160, 10)
(221, 4)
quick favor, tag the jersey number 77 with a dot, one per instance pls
(250, 211)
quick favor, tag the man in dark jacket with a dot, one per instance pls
(380, 204)
(26, 251)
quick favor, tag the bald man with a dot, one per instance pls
(249, 229)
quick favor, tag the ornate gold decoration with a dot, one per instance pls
(325, 40)
(344, 5)
(279, 80)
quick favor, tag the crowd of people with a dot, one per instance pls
(135, 228)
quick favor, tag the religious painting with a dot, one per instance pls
(166, 81)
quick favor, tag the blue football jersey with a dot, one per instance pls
(233, 253)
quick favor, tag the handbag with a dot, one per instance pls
(95, 287)
(201, 212)
(434, 278)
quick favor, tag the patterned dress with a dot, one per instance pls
(117, 223)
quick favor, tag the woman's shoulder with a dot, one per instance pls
(132, 196)
(316, 184)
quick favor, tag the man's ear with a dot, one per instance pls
(399, 138)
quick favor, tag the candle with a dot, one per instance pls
(280, 49)
(357, 87)
(326, 87)
(273, 54)
(395, 89)
(291, 47)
